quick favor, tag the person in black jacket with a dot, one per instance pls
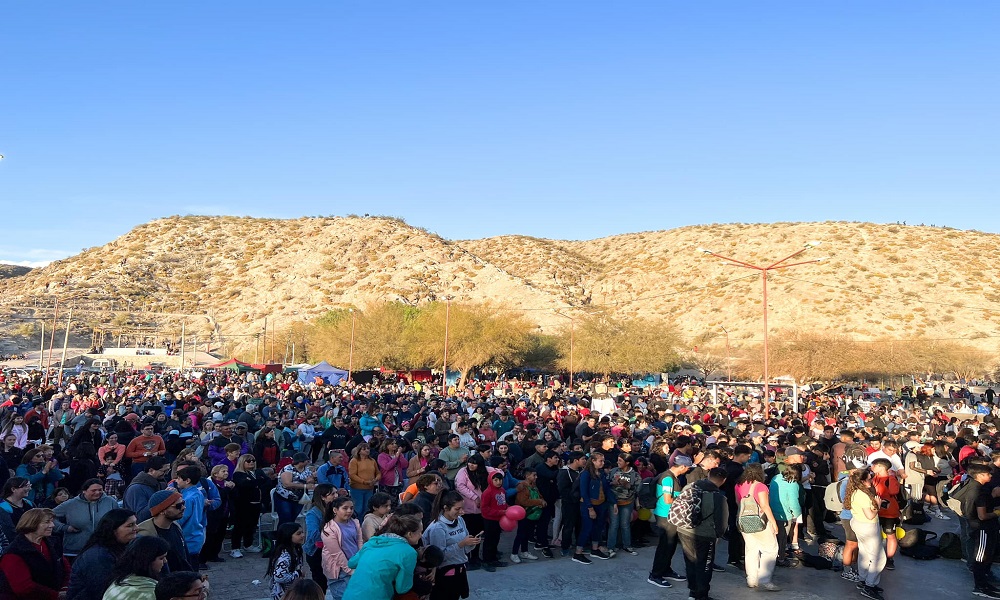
(247, 504)
(428, 486)
(568, 482)
(548, 473)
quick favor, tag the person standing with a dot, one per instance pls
(568, 482)
(33, 564)
(364, 474)
(167, 507)
(667, 490)
(79, 516)
(761, 548)
(194, 521)
(595, 498)
(698, 541)
(471, 481)
(978, 506)
(247, 504)
(447, 531)
(861, 500)
(144, 446)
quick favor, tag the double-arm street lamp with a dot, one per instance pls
(764, 269)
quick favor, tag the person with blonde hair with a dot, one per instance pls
(861, 500)
(247, 504)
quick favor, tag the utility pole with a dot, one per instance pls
(69, 321)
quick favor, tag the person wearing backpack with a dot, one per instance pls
(978, 506)
(668, 488)
(761, 546)
(709, 519)
(863, 503)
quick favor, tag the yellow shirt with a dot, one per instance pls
(860, 500)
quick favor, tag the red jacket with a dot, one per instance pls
(493, 502)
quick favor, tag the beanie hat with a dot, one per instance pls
(162, 500)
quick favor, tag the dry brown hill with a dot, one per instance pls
(880, 280)
(8, 271)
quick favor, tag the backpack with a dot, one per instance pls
(649, 491)
(954, 494)
(914, 514)
(685, 512)
(914, 544)
(831, 498)
(950, 546)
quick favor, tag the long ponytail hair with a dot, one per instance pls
(445, 500)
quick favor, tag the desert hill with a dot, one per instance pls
(8, 271)
(879, 280)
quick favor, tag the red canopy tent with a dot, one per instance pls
(269, 368)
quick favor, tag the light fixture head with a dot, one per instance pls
(813, 243)
(822, 259)
(705, 250)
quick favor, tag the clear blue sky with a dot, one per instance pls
(563, 119)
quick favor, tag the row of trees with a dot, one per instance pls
(399, 336)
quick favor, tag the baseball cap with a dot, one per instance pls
(683, 461)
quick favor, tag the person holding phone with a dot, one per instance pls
(448, 532)
(863, 503)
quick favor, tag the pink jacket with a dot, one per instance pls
(393, 469)
(334, 560)
(464, 486)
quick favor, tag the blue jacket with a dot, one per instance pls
(194, 521)
(335, 476)
(42, 483)
(383, 567)
(784, 499)
(590, 489)
(368, 423)
(314, 530)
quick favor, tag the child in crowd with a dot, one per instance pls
(530, 498)
(285, 565)
(494, 505)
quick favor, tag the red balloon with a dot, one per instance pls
(507, 525)
(515, 513)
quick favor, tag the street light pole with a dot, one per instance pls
(350, 355)
(444, 367)
(729, 357)
(764, 270)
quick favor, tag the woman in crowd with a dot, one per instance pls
(625, 482)
(218, 519)
(364, 474)
(861, 500)
(595, 497)
(392, 468)
(15, 503)
(785, 506)
(43, 474)
(448, 532)
(761, 547)
(471, 481)
(266, 448)
(384, 566)
(205, 439)
(19, 430)
(81, 513)
(247, 504)
(294, 480)
(415, 468)
(138, 569)
(285, 565)
(92, 570)
(109, 457)
(341, 540)
(33, 564)
(315, 519)
(59, 495)
(379, 508)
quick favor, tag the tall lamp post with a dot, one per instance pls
(444, 367)
(350, 356)
(572, 328)
(729, 356)
(764, 270)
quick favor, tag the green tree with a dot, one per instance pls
(606, 344)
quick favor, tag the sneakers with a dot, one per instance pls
(939, 515)
(489, 568)
(527, 556)
(255, 549)
(598, 554)
(564, 553)
(986, 592)
(769, 587)
(612, 554)
(850, 575)
(630, 550)
(540, 548)
(581, 558)
(890, 564)
(674, 576)
(871, 592)
(718, 569)
(659, 581)
(237, 554)
(514, 558)
(547, 553)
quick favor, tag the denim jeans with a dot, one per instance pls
(287, 510)
(361, 499)
(592, 530)
(335, 588)
(623, 521)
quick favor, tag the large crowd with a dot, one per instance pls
(126, 486)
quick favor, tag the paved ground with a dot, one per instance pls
(625, 577)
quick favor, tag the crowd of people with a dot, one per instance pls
(126, 485)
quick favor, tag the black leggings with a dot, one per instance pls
(474, 523)
(315, 562)
(244, 527)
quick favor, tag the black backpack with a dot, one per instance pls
(915, 544)
(914, 514)
(950, 546)
(649, 491)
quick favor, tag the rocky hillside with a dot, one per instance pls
(880, 280)
(8, 271)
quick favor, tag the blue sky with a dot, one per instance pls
(560, 119)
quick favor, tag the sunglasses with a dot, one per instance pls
(178, 506)
(250, 460)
